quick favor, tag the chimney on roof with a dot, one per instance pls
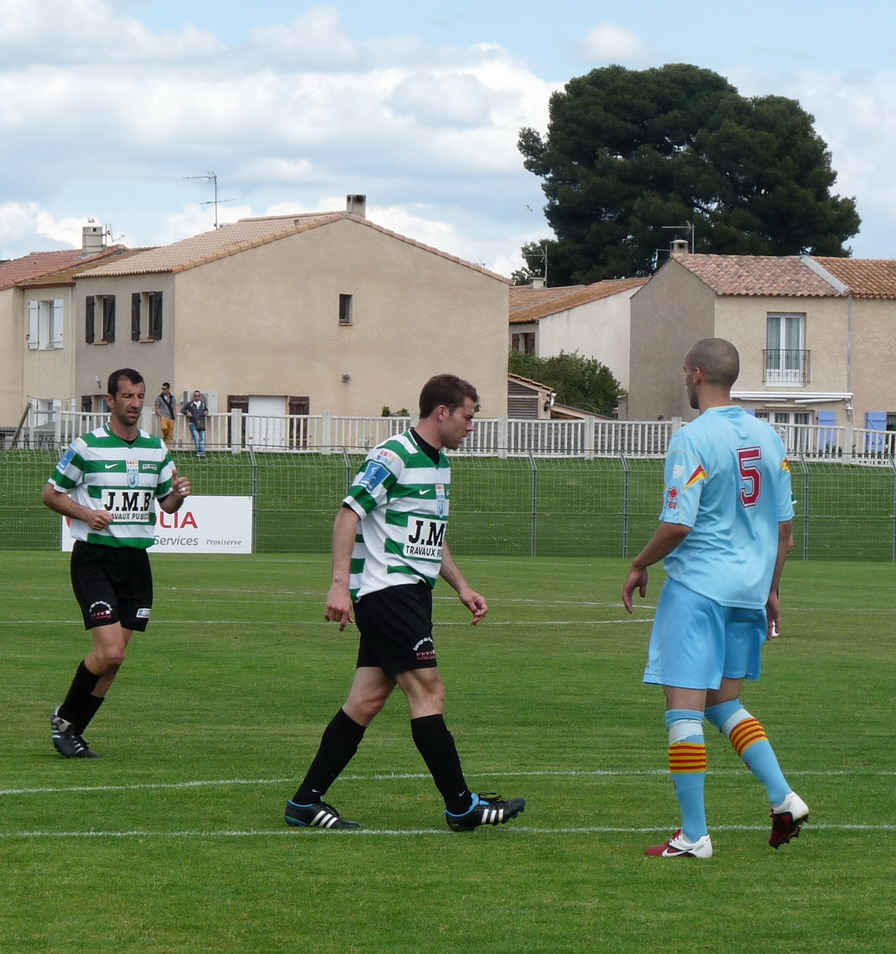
(679, 246)
(536, 282)
(93, 239)
(356, 205)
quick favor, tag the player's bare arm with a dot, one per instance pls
(773, 606)
(451, 574)
(667, 537)
(339, 600)
(180, 490)
(63, 504)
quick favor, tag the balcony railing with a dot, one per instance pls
(786, 366)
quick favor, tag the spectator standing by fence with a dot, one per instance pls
(196, 413)
(166, 412)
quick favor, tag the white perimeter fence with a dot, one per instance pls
(237, 431)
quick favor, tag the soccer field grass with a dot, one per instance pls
(174, 841)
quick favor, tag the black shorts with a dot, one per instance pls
(112, 585)
(396, 629)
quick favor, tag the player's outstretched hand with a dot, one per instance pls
(636, 580)
(339, 606)
(475, 603)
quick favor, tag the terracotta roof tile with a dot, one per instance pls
(243, 235)
(756, 275)
(66, 276)
(866, 277)
(38, 264)
(531, 304)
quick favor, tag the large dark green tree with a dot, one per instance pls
(628, 152)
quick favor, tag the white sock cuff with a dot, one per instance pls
(684, 729)
(734, 719)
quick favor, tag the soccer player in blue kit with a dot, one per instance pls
(724, 533)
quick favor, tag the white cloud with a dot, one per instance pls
(52, 31)
(608, 43)
(313, 41)
(856, 116)
(458, 99)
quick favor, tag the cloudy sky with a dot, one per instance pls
(119, 110)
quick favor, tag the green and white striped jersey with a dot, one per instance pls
(103, 472)
(401, 497)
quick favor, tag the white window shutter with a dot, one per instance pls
(33, 325)
(57, 323)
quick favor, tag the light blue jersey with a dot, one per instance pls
(727, 478)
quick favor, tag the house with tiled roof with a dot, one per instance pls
(590, 319)
(814, 334)
(296, 314)
(37, 325)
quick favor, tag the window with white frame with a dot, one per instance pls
(45, 324)
(786, 357)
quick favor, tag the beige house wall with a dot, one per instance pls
(742, 319)
(12, 345)
(873, 357)
(265, 322)
(668, 314)
(49, 374)
(156, 360)
(414, 314)
(599, 329)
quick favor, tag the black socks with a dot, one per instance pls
(338, 745)
(436, 744)
(80, 705)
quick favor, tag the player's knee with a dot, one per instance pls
(109, 659)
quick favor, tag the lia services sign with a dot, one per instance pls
(202, 525)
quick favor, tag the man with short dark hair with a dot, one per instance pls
(389, 547)
(724, 535)
(166, 412)
(107, 484)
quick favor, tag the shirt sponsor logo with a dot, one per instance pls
(698, 475)
(386, 455)
(374, 474)
(425, 538)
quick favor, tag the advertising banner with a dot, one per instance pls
(202, 525)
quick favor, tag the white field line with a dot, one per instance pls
(255, 833)
(517, 830)
(397, 776)
(439, 624)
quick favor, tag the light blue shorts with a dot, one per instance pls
(696, 642)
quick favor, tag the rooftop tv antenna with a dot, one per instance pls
(540, 254)
(213, 179)
(687, 227)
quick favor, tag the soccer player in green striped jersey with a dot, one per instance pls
(389, 548)
(106, 485)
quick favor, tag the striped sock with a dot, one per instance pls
(687, 764)
(752, 745)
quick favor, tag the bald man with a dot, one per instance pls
(723, 538)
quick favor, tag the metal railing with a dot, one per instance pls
(785, 365)
(237, 431)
